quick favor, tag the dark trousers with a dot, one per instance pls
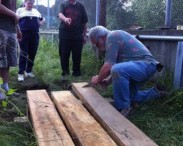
(28, 46)
(66, 46)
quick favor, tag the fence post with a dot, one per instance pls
(178, 74)
(168, 13)
(97, 11)
(48, 14)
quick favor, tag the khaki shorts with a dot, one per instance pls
(8, 49)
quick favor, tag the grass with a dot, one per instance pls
(161, 119)
(16, 134)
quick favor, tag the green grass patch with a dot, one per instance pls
(16, 134)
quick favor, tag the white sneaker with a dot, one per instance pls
(30, 74)
(20, 77)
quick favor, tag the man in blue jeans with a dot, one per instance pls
(128, 64)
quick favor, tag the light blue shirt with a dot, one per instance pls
(122, 47)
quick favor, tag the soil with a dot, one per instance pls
(18, 105)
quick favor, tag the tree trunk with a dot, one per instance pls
(102, 18)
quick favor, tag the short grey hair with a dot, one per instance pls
(29, 0)
(97, 31)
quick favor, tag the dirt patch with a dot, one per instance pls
(16, 106)
(63, 84)
(31, 84)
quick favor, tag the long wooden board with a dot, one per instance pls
(48, 127)
(83, 127)
(118, 127)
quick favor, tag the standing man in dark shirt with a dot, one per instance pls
(72, 33)
(8, 52)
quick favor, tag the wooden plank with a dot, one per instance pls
(83, 127)
(123, 132)
(48, 127)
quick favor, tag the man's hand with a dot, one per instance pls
(104, 83)
(19, 33)
(94, 80)
(68, 21)
(107, 81)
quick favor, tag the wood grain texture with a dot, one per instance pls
(118, 127)
(83, 127)
(48, 127)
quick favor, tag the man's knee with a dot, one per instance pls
(115, 71)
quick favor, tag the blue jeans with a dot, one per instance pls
(127, 78)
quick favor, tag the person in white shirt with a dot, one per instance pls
(29, 21)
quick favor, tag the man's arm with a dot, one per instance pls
(8, 12)
(19, 34)
(107, 81)
(65, 19)
(103, 74)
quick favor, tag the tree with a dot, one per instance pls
(90, 6)
(149, 13)
(19, 3)
(177, 11)
(102, 17)
(119, 14)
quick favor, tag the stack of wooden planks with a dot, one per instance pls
(62, 119)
